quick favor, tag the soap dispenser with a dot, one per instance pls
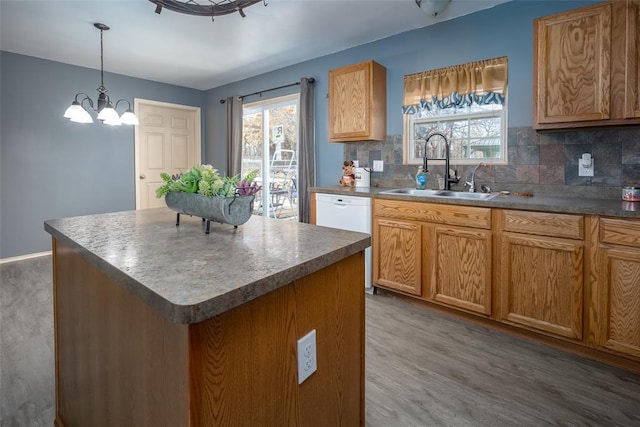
(421, 179)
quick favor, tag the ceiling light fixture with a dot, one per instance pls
(209, 8)
(433, 7)
(107, 113)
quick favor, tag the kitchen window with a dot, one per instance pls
(467, 103)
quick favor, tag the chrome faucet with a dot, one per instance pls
(448, 179)
(472, 183)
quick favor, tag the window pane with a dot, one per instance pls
(475, 132)
(252, 142)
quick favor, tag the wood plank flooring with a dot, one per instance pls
(422, 368)
(428, 369)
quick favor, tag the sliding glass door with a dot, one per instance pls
(270, 143)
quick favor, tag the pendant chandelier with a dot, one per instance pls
(207, 8)
(107, 113)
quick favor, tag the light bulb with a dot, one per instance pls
(108, 114)
(128, 118)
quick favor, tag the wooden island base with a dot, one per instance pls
(119, 362)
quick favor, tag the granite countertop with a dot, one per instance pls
(583, 206)
(190, 276)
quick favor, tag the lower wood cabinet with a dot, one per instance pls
(461, 274)
(541, 275)
(441, 253)
(566, 276)
(615, 300)
(398, 265)
(542, 283)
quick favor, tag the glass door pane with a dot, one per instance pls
(270, 143)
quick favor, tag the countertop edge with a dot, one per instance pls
(270, 283)
(197, 312)
(554, 204)
(144, 293)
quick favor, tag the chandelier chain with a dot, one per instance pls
(101, 88)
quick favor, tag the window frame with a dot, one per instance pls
(408, 141)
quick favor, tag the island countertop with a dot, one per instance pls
(189, 276)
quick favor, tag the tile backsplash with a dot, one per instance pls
(545, 163)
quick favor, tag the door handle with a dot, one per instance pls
(143, 176)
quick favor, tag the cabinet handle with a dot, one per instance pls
(143, 176)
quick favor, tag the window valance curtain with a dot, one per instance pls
(481, 82)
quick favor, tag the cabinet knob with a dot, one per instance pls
(143, 176)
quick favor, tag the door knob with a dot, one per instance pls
(143, 176)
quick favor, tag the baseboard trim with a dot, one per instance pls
(24, 257)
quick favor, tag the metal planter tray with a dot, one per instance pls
(226, 210)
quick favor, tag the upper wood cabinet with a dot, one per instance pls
(586, 67)
(358, 103)
(632, 66)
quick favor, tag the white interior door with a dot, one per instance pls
(167, 140)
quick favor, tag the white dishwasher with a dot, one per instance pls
(347, 213)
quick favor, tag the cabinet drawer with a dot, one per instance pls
(467, 216)
(624, 232)
(543, 224)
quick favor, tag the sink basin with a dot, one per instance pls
(440, 193)
(466, 195)
(412, 192)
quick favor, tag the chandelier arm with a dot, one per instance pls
(190, 8)
(86, 98)
(122, 100)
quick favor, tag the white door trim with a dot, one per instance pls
(197, 140)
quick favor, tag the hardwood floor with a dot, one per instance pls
(427, 369)
(422, 368)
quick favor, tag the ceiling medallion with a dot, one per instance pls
(206, 7)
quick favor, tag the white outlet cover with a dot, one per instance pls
(307, 362)
(582, 171)
(378, 166)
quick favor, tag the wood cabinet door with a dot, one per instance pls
(542, 283)
(397, 255)
(632, 71)
(358, 103)
(572, 65)
(349, 112)
(461, 271)
(617, 301)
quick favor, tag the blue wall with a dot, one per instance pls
(505, 30)
(52, 168)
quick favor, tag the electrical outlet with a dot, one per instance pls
(585, 165)
(307, 363)
(378, 165)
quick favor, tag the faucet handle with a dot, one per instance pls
(471, 186)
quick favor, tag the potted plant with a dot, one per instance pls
(203, 192)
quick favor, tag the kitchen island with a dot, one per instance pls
(158, 325)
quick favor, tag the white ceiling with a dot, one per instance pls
(195, 52)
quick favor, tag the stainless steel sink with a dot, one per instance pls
(412, 192)
(440, 193)
(466, 195)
